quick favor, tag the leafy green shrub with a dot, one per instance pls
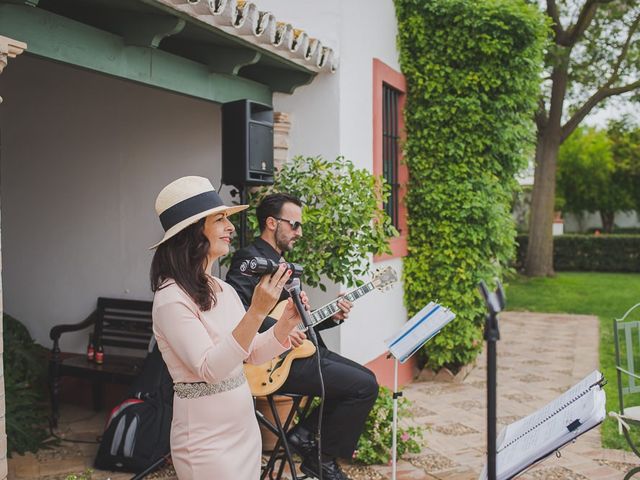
(374, 445)
(86, 475)
(590, 253)
(343, 221)
(472, 69)
(25, 378)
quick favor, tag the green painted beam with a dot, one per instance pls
(65, 40)
(31, 3)
(278, 79)
(144, 30)
(229, 60)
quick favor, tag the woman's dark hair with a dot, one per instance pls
(183, 258)
(271, 206)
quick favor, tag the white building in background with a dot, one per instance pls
(97, 118)
(341, 114)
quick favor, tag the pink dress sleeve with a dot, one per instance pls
(265, 345)
(190, 342)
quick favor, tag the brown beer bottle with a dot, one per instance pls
(99, 355)
(90, 349)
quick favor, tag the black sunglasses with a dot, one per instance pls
(295, 225)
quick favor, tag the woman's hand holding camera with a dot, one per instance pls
(268, 290)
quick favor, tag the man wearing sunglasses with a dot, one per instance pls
(350, 388)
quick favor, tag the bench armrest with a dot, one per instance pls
(58, 330)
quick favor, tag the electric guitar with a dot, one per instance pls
(268, 377)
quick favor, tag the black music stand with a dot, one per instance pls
(494, 302)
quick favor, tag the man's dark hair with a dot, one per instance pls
(271, 206)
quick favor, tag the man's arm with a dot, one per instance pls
(338, 318)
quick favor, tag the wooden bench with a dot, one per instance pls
(125, 324)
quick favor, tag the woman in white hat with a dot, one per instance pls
(205, 334)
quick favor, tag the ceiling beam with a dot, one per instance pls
(278, 79)
(147, 30)
(68, 41)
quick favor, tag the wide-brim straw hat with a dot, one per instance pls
(185, 201)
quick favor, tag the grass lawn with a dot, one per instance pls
(607, 295)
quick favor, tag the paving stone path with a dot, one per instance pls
(539, 357)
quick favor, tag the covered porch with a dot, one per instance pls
(110, 101)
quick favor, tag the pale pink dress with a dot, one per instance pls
(215, 436)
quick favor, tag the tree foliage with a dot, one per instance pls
(625, 138)
(344, 223)
(590, 178)
(472, 70)
(599, 171)
(593, 55)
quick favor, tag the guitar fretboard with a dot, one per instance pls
(322, 313)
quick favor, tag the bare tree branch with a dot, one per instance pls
(584, 20)
(596, 98)
(623, 52)
(552, 11)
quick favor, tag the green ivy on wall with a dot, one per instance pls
(473, 69)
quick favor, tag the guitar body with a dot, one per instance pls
(268, 377)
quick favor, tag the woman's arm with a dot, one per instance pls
(189, 340)
(180, 325)
(265, 296)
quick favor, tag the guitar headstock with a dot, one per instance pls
(383, 279)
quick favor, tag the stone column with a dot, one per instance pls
(281, 127)
(9, 48)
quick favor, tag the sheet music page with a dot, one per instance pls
(523, 442)
(425, 324)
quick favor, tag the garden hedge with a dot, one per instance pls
(591, 253)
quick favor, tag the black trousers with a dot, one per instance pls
(350, 392)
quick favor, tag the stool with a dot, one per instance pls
(281, 451)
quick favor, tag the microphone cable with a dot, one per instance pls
(294, 290)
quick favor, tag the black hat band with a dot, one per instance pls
(189, 207)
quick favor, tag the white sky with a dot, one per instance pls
(615, 109)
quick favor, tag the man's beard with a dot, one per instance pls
(282, 244)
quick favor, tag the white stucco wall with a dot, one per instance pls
(573, 223)
(94, 151)
(83, 158)
(334, 116)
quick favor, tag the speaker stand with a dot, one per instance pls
(242, 234)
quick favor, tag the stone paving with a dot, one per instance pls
(539, 357)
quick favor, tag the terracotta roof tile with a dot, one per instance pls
(242, 18)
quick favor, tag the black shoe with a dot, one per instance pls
(302, 442)
(330, 469)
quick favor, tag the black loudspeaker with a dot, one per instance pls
(247, 143)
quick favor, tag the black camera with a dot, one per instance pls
(263, 266)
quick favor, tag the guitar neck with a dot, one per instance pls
(321, 314)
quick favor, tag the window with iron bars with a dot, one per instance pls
(391, 148)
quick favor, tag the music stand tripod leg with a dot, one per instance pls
(495, 302)
(394, 448)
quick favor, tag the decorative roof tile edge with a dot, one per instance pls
(242, 18)
(9, 48)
